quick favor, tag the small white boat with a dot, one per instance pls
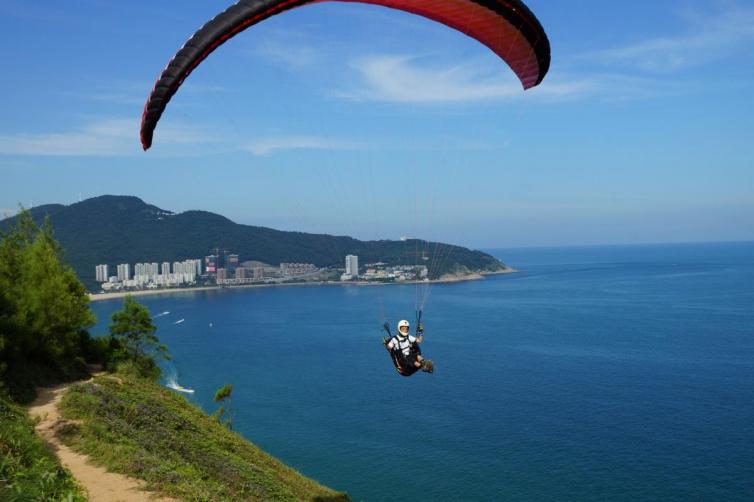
(179, 321)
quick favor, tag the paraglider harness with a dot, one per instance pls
(404, 364)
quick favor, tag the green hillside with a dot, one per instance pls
(136, 427)
(123, 229)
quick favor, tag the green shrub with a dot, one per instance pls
(28, 472)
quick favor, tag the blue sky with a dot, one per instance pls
(360, 120)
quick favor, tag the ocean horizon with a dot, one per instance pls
(595, 372)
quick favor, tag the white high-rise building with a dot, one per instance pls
(124, 272)
(166, 268)
(145, 273)
(101, 273)
(352, 265)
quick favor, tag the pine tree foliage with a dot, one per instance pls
(44, 311)
(133, 331)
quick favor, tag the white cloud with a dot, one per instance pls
(287, 48)
(291, 57)
(119, 137)
(402, 79)
(114, 97)
(622, 87)
(114, 137)
(707, 37)
(266, 146)
(136, 93)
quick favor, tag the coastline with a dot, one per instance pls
(96, 297)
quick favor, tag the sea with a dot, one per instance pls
(594, 373)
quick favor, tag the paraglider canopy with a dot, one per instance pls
(507, 27)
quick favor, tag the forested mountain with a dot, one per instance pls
(124, 229)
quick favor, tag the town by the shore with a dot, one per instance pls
(103, 296)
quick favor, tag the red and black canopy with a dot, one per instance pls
(507, 27)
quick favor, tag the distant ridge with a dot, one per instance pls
(124, 229)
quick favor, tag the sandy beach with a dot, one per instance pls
(95, 297)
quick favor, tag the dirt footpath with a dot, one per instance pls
(100, 485)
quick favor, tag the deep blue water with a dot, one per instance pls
(621, 373)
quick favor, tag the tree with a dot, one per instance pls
(222, 395)
(133, 330)
(53, 301)
(3, 365)
(5, 327)
(44, 309)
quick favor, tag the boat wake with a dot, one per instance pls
(160, 315)
(172, 384)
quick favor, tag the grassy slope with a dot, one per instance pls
(27, 470)
(141, 429)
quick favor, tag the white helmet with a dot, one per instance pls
(402, 324)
